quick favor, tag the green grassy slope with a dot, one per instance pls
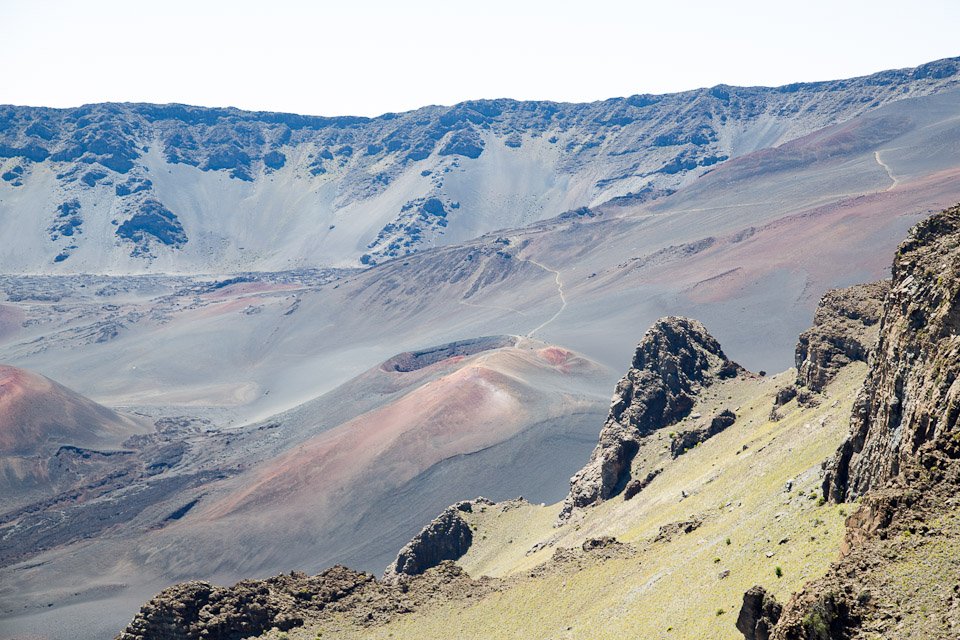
(687, 586)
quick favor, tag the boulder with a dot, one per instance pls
(758, 614)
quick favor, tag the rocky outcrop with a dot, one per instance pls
(784, 395)
(683, 441)
(827, 616)
(902, 461)
(194, 610)
(637, 485)
(591, 552)
(758, 614)
(845, 327)
(670, 531)
(198, 610)
(447, 537)
(905, 417)
(674, 360)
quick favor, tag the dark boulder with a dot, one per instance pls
(447, 537)
(758, 614)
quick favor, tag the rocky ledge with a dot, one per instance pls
(905, 417)
(674, 360)
(896, 576)
(200, 611)
(845, 327)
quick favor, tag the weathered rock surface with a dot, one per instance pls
(905, 417)
(200, 610)
(682, 441)
(637, 485)
(758, 615)
(896, 576)
(447, 537)
(674, 360)
(845, 327)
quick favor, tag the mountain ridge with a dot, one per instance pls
(239, 367)
(133, 186)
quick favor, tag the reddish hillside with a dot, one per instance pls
(36, 411)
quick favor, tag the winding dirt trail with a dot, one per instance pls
(563, 299)
(886, 167)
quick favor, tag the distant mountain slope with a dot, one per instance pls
(347, 476)
(131, 187)
(51, 436)
(37, 413)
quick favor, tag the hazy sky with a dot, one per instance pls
(366, 57)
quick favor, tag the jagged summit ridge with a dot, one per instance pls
(143, 185)
(675, 358)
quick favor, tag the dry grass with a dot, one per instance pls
(669, 589)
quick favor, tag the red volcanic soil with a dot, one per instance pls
(464, 411)
(35, 411)
(555, 355)
(562, 360)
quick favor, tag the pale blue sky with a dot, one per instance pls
(365, 57)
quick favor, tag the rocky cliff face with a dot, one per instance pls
(675, 358)
(905, 418)
(845, 327)
(896, 576)
(759, 614)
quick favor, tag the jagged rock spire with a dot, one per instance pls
(675, 358)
